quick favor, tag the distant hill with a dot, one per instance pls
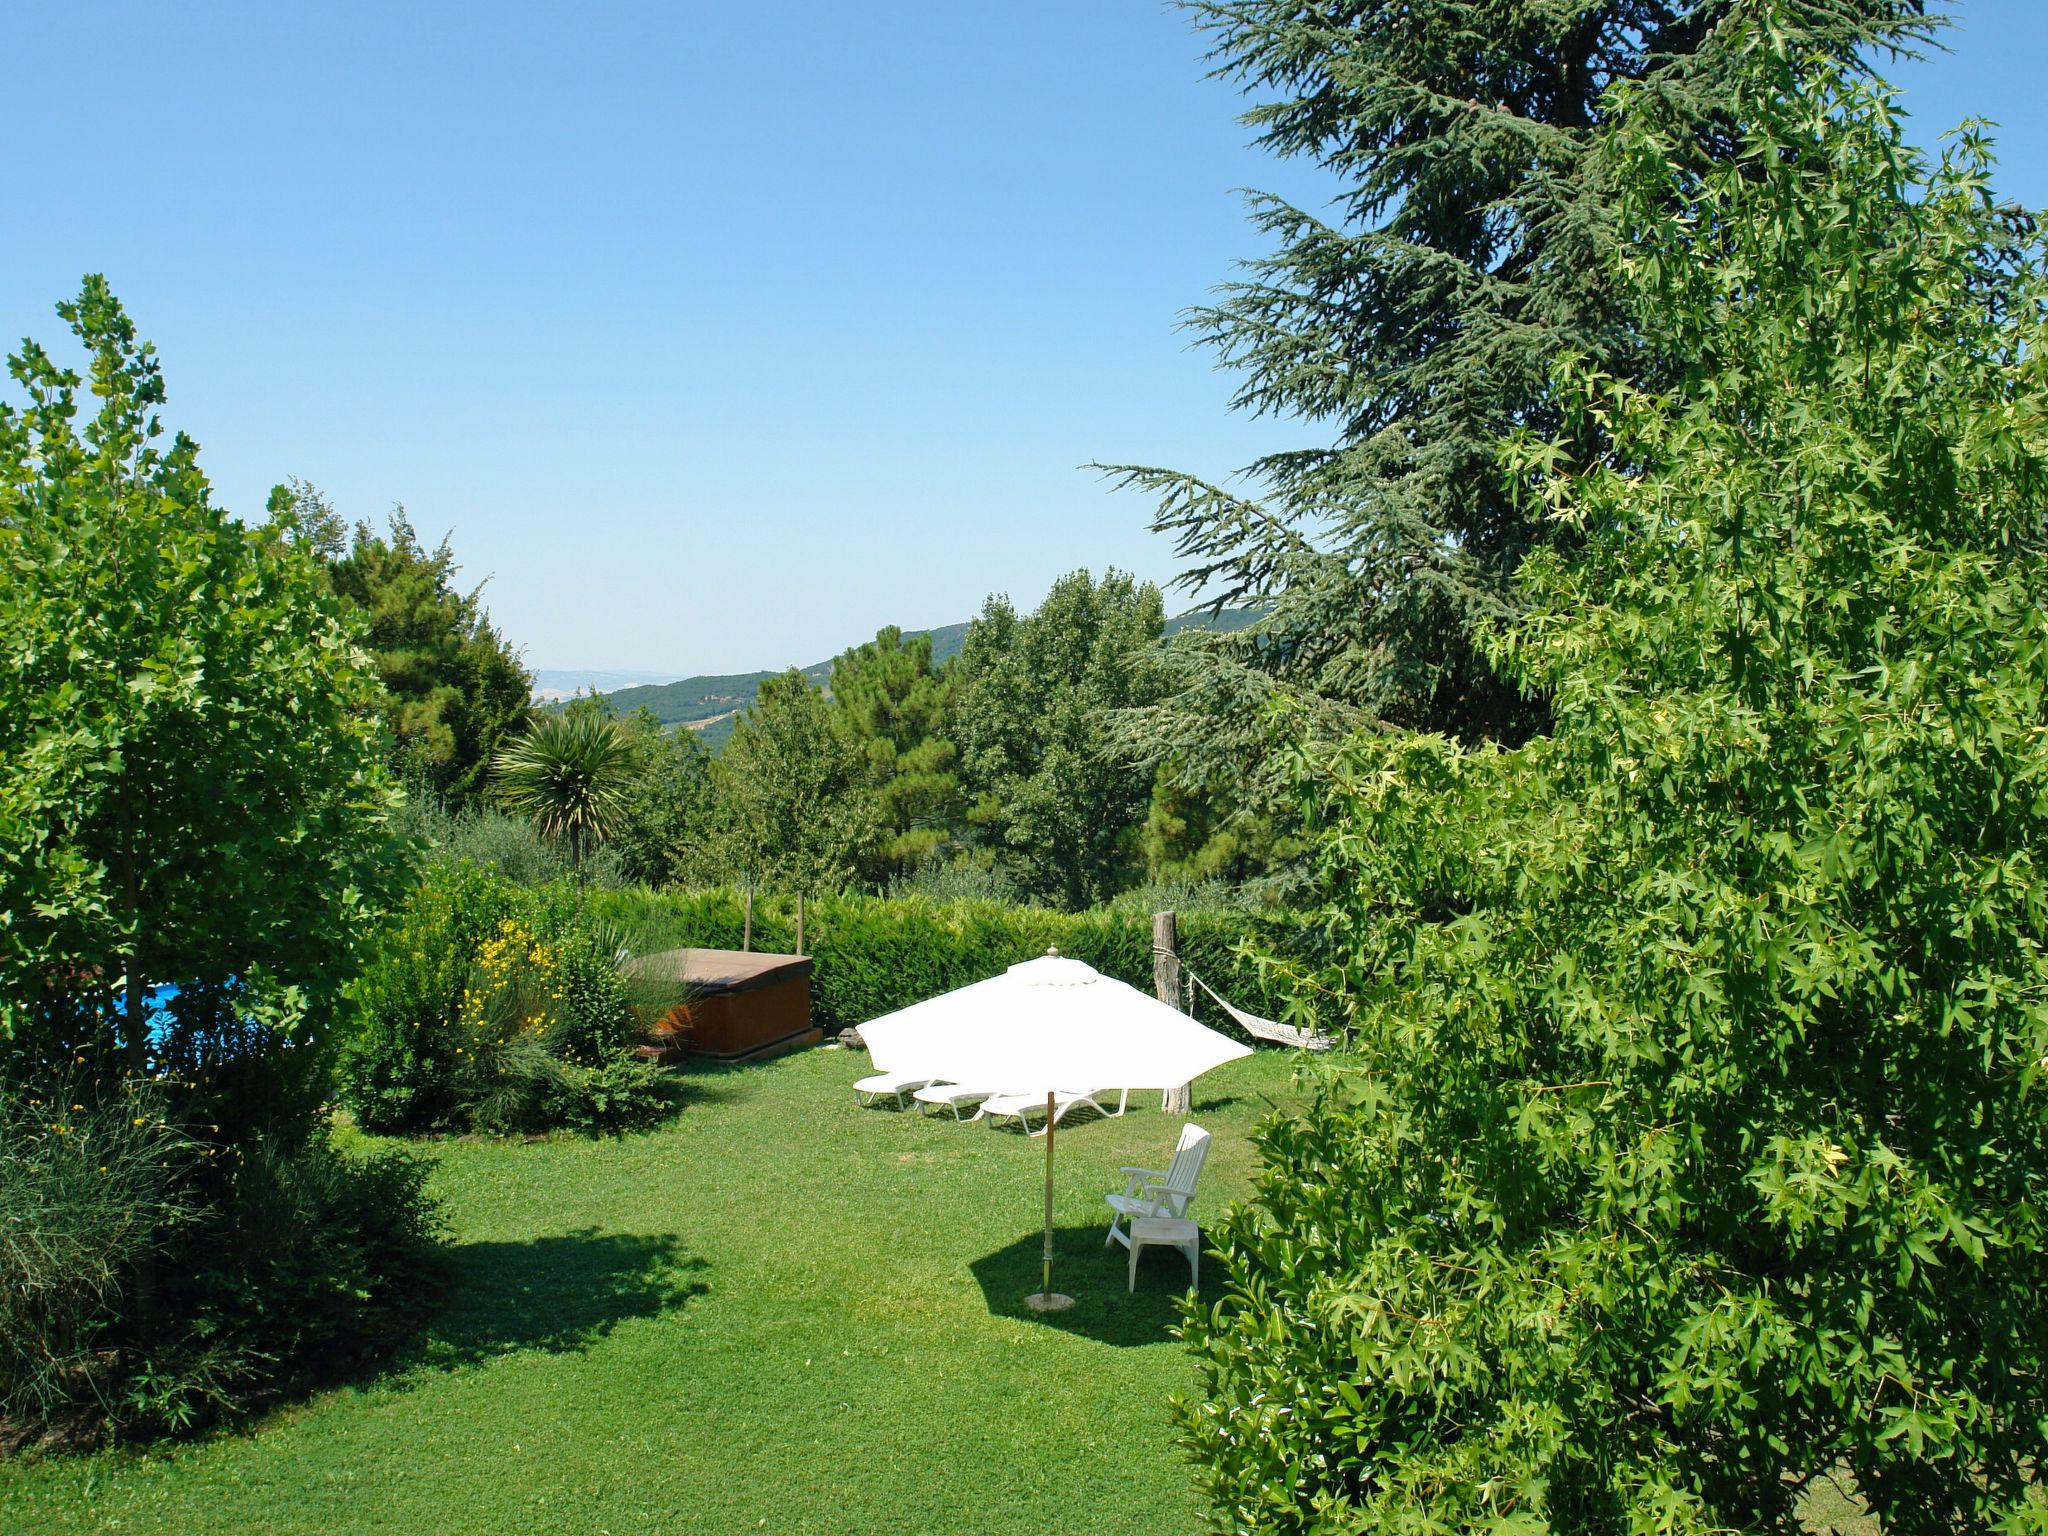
(561, 682)
(710, 705)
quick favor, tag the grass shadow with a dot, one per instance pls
(708, 1082)
(1093, 1274)
(558, 1294)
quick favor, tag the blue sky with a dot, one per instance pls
(718, 341)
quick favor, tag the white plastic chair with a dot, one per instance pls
(1020, 1106)
(1151, 1192)
(888, 1085)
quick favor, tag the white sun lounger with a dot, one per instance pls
(888, 1085)
(952, 1096)
(1019, 1106)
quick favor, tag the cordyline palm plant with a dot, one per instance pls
(569, 776)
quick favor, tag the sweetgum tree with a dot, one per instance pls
(191, 777)
(1694, 1146)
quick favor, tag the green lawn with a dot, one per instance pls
(782, 1313)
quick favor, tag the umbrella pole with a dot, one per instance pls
(1047, 1299)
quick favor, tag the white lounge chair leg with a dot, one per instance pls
(1133, 1286)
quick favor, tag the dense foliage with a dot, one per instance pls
(792, 798)
(668, 801)
(1695, 1148)
(897, 711)
(994, 771)
(195, 798)
(90, 1194)
(874, 954)
(183, 703)
(1049, 798)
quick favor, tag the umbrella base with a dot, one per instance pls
(1048, 1301)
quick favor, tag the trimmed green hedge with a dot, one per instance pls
(874, 954)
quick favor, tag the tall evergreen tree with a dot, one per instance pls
(455, 689)
(1414, 326)
(896, 710)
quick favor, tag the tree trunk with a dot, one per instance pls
(135, 1020)
(135, 1024)
(799, 924)
(1166, 983)
(747, 919)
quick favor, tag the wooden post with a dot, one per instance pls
(1166, 983)
(747, 921)
(799, 923)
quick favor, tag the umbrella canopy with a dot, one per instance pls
(1048, 1025)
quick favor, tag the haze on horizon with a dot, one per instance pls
(716, 346)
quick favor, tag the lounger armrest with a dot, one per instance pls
(1150, 1173)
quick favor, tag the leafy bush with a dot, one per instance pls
(310, 1263)
(942, 881)
(1695, 1146)
(401, 1066)
(150, 1282)
(487, 1005)
(616, 1096)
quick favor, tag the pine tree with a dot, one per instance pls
(455, 689)
(895, 708)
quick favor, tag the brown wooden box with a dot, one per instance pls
(739, 1006)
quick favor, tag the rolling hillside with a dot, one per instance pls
(709, 705)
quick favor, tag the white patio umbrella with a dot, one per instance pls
(1048, 1026)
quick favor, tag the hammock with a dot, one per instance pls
(1266, 1029)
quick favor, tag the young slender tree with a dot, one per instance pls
(793, 803)
(191, 782)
